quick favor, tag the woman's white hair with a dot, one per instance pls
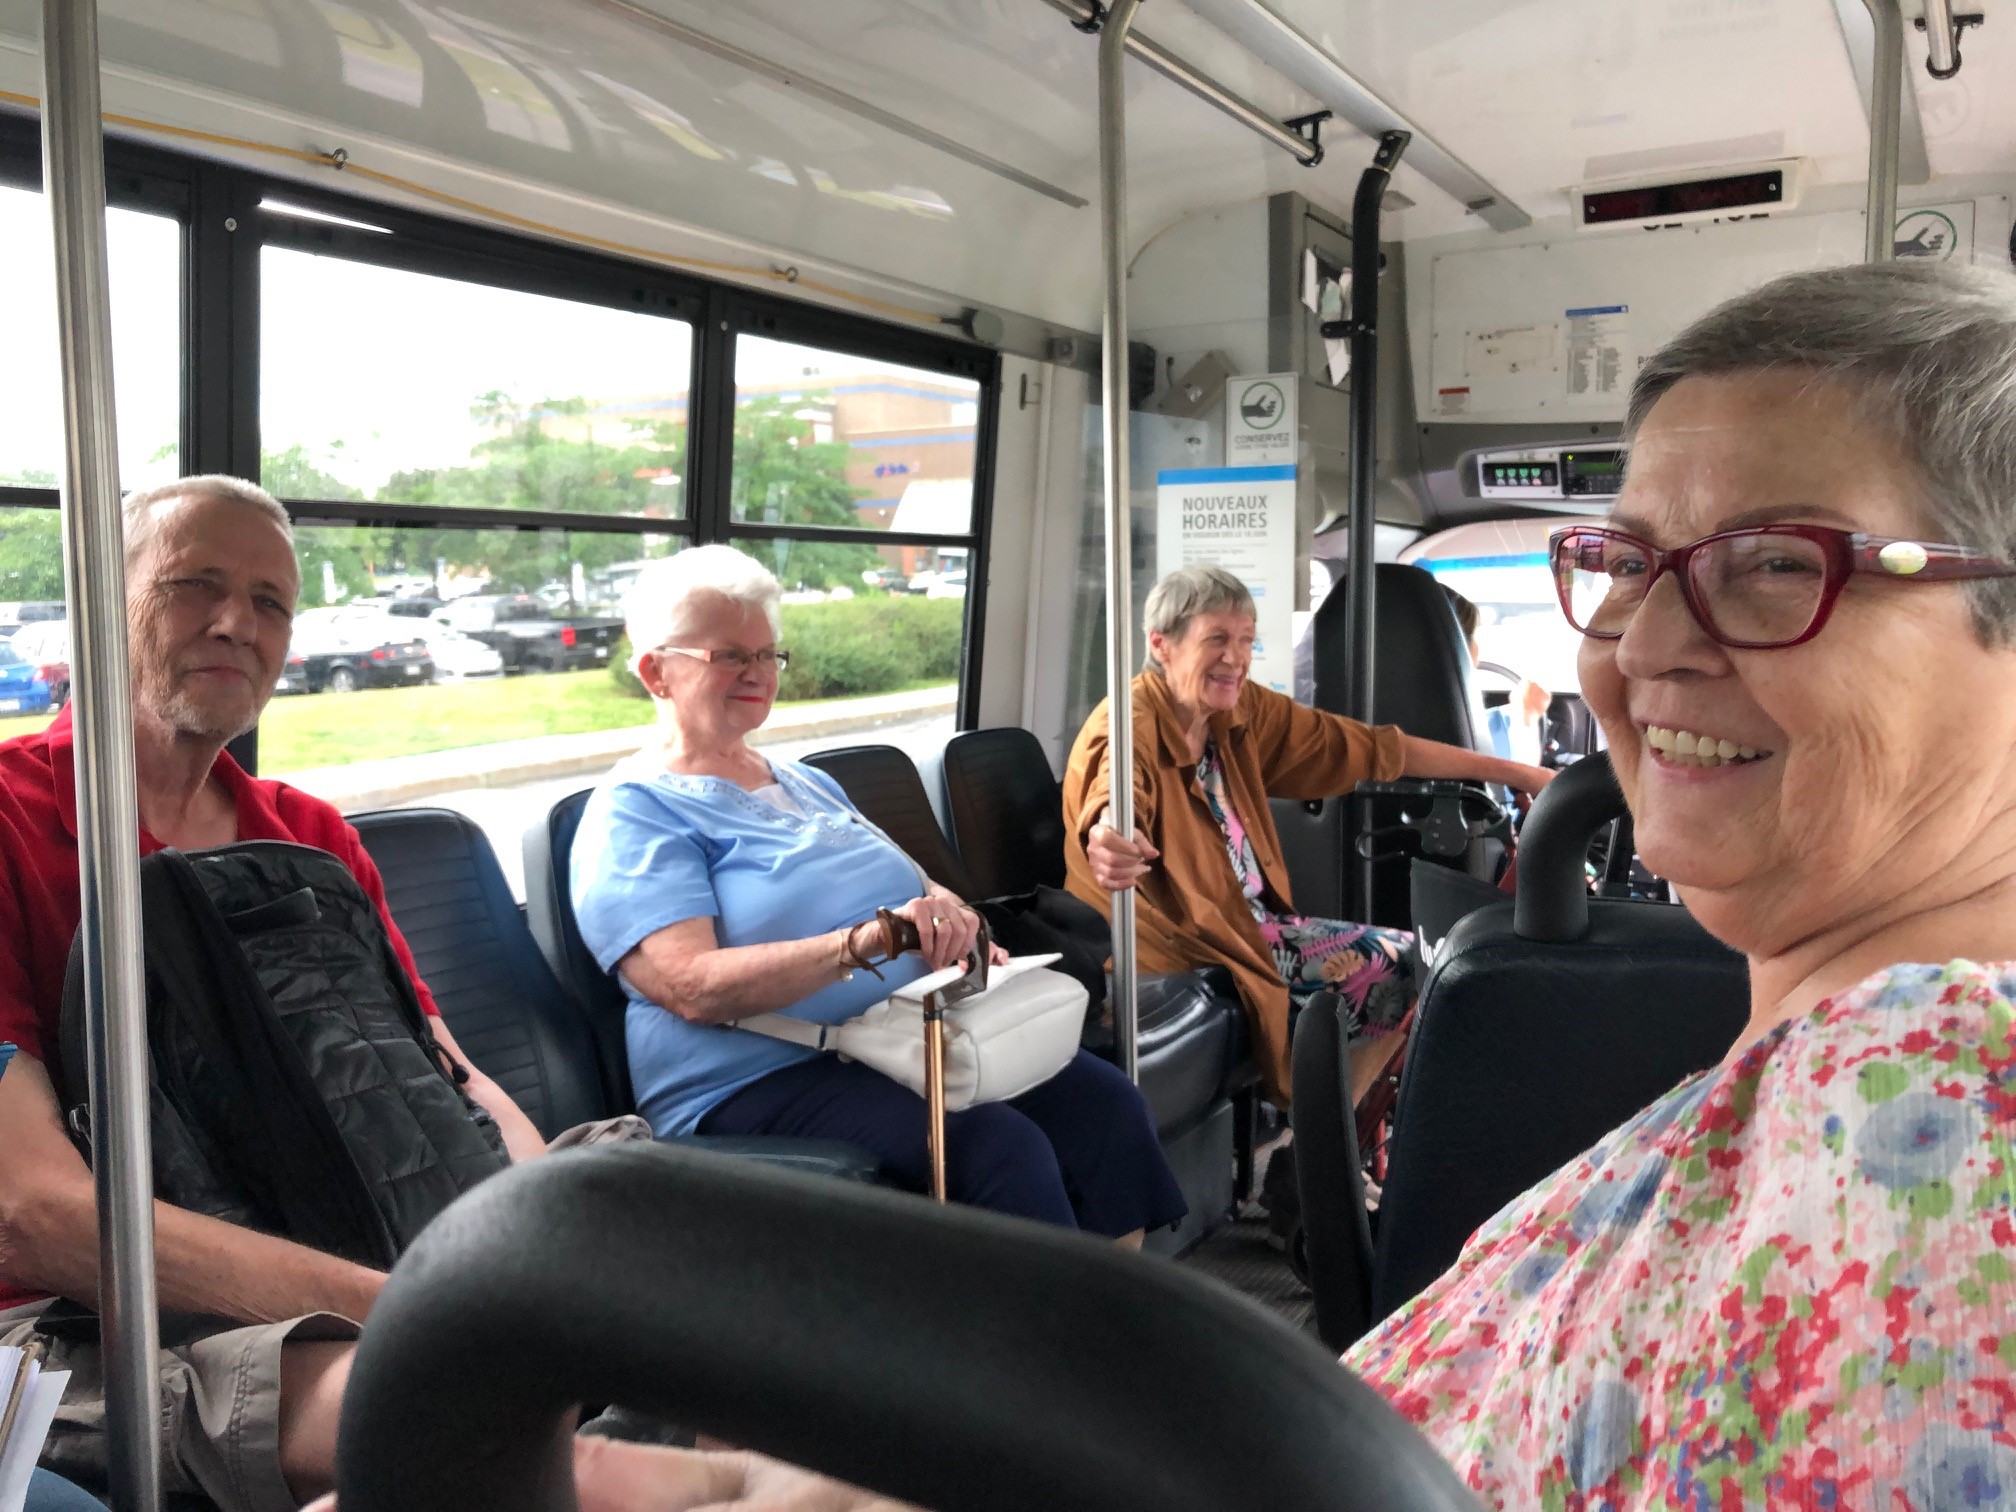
(1928, 350)
(1201, 588)
(673, 594)
(141, 511)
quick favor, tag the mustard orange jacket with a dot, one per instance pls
(1190, 911)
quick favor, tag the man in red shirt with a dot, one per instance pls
(249, 1408)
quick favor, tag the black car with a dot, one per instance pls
(529, 636)
(342, 650)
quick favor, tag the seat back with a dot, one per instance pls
(883, 783)
(504, 1007)
(1527, 1051)
(1336, 1239)
(549, 910)
(1421, 672)
(841, 1328)
(1420, 682)
(1006, 811)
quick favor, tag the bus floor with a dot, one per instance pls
(1246, 1257)
(1242, 1256)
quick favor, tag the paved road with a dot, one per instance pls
(504, 813)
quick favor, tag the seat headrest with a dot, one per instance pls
(1421, 666)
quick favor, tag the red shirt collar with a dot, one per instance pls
(257, 817)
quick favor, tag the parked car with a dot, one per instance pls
(343, 649)
(528, 636)
(457, 657)
(45, 645)
(14, 615)
(945, 585)
(22, 690)
(888, 579)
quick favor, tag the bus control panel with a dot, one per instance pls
(1551, 473)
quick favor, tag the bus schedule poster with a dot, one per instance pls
(1241, 519)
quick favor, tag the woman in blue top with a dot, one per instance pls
(718, 885)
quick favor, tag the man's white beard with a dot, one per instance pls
(188, 719)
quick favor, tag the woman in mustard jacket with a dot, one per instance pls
(1210, 748)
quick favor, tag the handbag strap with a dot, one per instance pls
(796, 1031)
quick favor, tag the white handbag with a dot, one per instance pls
(1013, 1033)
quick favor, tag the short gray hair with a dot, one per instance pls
(141, 507)
(668, 596)
(1928, 349)
(1182, 595)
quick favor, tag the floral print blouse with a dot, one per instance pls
(1786, 1284)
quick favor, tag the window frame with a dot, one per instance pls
(225, 232)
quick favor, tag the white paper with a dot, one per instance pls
(39, 1400)
(1599, 351)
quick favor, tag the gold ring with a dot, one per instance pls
(936, 922)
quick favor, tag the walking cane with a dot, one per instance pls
(972, 984)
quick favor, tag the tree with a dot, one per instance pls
(785, 477)
(559, 455)
(335, 563)
(31, 554)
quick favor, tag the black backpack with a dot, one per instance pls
(296, 1086)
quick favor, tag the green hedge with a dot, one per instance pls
(871, 644)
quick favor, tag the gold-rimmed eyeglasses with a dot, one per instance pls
(773, 659)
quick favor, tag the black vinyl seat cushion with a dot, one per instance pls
(501, 1002)
(1526, 1052)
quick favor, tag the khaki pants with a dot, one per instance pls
(219, 1406)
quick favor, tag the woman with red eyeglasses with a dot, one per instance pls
(1791, 1282)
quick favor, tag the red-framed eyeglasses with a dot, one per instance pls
(1754, 590)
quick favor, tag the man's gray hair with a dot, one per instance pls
(141, 509)
(671, 594)
(1927, 349)
(1182, 595)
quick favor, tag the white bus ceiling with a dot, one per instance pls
(575, 114)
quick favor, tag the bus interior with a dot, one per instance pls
(507, 298)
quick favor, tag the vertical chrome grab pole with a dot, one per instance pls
(108, 824)
(1119, 502)
(1886, 116)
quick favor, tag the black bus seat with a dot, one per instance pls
(1189, 1043)
(1543, 1024)
(883, 783)
(493, 987)
(1421, 682)
(502, 1001)
(1004, 810)
(1007, 815)
(1335, 1236)
(949, 1358)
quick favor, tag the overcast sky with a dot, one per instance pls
(385, 362)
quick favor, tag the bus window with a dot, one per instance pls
(145, 254)
(841, 449)
(1501, 567)
(382, 384)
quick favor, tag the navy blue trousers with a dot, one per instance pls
(1079, 1151)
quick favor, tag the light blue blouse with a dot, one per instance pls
(655, 848)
